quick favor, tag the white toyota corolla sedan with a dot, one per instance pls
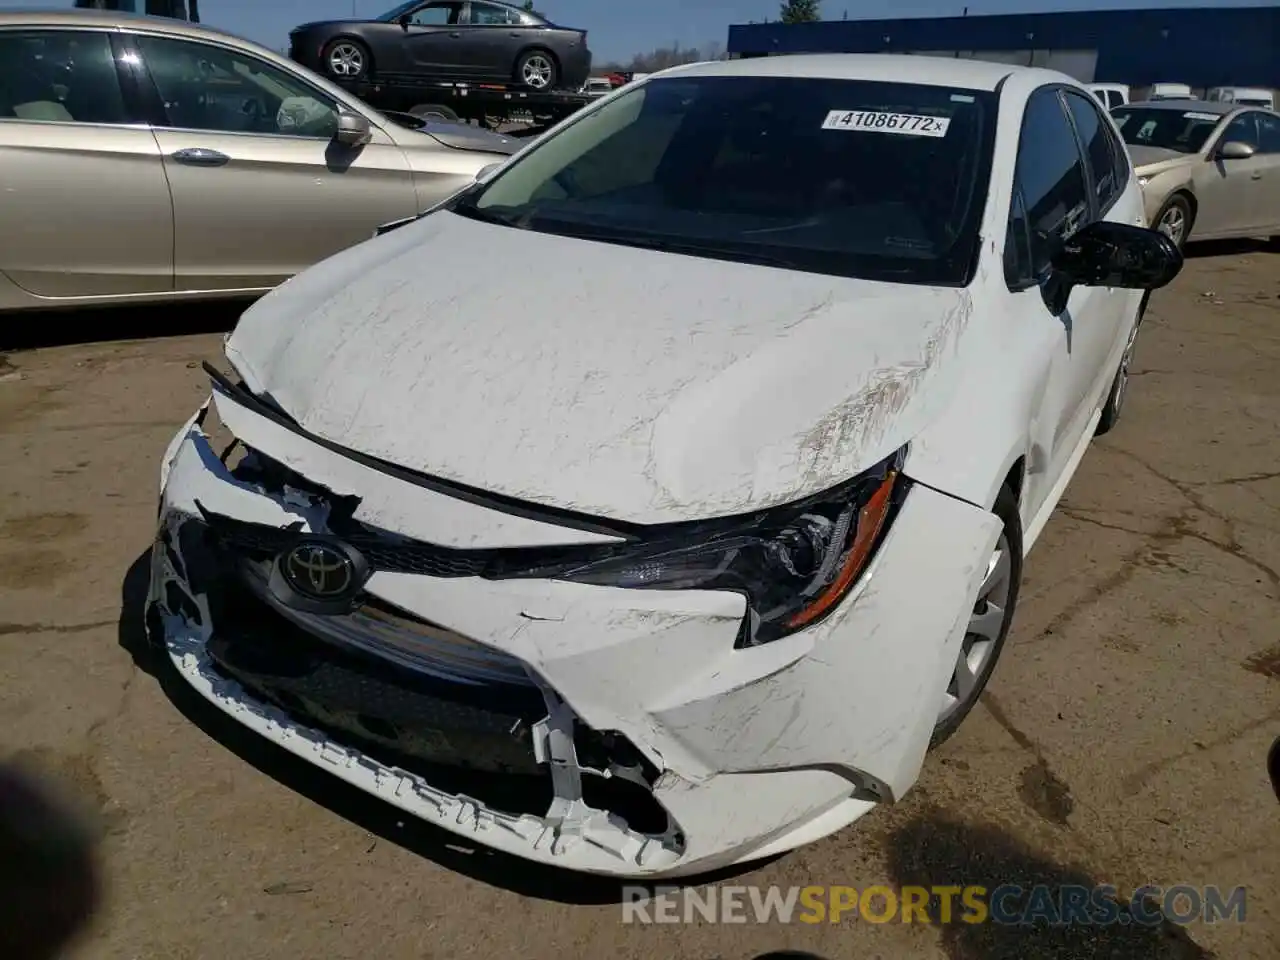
(654, 504)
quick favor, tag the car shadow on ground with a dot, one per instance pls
(1204, 249)
(378, 818)
(30, 329)
(934, 849)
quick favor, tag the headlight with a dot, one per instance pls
(794, 563)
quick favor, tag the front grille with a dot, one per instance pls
(458, 716)
(382, 551)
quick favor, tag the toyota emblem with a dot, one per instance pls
(319, 570)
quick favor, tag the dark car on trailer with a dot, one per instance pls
(467, 40)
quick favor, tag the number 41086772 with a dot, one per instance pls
(876, 121)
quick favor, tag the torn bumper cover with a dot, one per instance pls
(603, 729)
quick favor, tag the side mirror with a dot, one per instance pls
(404, 20)
(487, 171)
(1106, 254)
(353, 130)
(1235, 150)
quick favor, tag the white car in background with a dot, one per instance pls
(677, 544)
(1243, 96)
(1170, 91)
(1110, 95)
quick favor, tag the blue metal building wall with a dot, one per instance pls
(1202, 47)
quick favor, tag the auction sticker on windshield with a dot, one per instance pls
(876, 121)
(1201, 116)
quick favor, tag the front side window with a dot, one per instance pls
(1050, 176)
(1268, 133)
(844, 177)
(1243, 129)
(205, 87)
(1108, 179)
(1184, 131)
(59, 76)
(437, 15)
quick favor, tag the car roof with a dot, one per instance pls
(901, 68)
(114, 19)
(1200, 106)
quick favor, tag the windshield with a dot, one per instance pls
(396, 12)
(1185, 131)
(845, 177)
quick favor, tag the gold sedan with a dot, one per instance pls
(1208, 170)
(147, 159)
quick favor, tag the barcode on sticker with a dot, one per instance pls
(876, 121)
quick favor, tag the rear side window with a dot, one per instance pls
(1050, 175)
(60, 76)
(487, 14)
(1106, 178)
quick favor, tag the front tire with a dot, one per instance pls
(1120, 385)
(1174, 219)
(988, 623)
(434, 111)
(346, 59)
(537, 70)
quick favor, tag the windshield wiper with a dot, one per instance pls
(473, 212)
(694, 248)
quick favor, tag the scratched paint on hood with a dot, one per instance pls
(631, 384)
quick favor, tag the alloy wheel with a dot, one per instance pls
(1173, 224)
(537, 71)
(346, 60)
(982, 638)
(1122, 375)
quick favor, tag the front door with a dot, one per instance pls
(1233, 194)
(1055, 197)
(434, 38)
(84, 203)
(261, 189)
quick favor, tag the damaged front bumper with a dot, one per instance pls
(607, 730)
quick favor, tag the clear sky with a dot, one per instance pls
(621, 28)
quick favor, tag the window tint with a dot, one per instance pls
(487, 14)
(1243, 129)
(1092, 128)
(1268, 133)
(1017, 245)
(59, 75)
(1166, 129)
(205, 87)
(436, 15)
(1050, 175)
(843, 177)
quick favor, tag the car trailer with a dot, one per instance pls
(490, 105)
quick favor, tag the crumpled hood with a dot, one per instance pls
(1151, 160)
(628, 384)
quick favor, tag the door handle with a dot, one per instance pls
(1256, 175)
(200, 157)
